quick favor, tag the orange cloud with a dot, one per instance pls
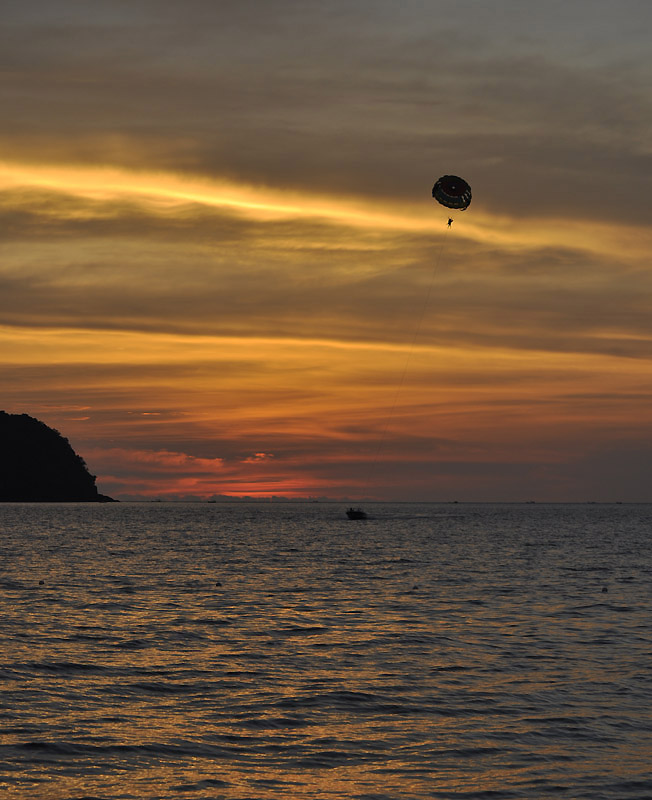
(169, 194)
(297, 354)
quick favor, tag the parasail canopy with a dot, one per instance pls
(452, 192)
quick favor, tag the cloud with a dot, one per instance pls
(132, 251)
(155, 461)
(256, 458)
(218, 239)
(351, 102)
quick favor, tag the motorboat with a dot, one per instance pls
(356, 513)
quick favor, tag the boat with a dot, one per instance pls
(356, 513)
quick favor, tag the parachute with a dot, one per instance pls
(452, 192)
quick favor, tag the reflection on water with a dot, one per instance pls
(266, 651)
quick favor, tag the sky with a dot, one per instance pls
(222, 272)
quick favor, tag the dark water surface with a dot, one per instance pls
(283, 651)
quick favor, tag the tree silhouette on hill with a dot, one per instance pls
(37, 464)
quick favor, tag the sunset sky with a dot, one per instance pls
(222, 271)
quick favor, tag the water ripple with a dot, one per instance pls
(267, 651)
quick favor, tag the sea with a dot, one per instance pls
(255, 651)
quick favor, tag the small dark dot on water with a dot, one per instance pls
(604, 589)
(40, 583)
(218, 583)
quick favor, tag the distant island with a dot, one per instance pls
(38, 465)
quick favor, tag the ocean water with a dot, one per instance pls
(282, 651)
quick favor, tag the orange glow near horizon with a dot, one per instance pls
(198, 337)
(322, 405)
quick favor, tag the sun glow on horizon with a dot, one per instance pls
(297, 418)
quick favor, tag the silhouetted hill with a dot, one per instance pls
(37, 464)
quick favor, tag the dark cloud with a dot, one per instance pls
(332, 96)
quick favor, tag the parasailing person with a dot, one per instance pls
(452, 192)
